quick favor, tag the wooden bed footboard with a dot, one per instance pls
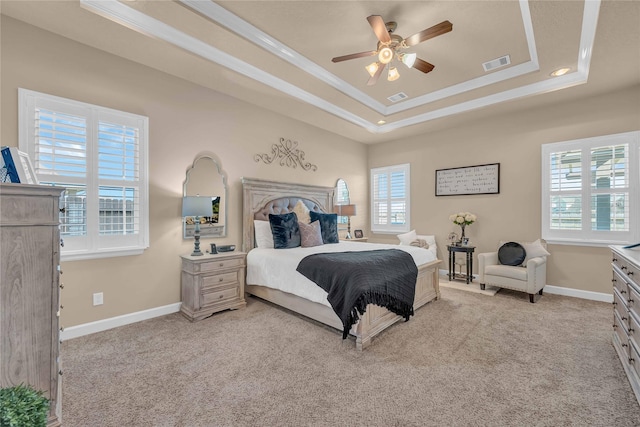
(375, 320)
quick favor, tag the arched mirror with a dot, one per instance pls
(343, 207)
(205, 178)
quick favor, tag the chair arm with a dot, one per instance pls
(536, 274)
(485, 259)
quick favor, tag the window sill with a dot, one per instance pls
(98, 255)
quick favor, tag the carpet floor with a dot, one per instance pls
(464, 360)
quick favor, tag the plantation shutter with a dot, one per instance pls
(390, 199)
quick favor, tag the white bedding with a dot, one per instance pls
(276, 268)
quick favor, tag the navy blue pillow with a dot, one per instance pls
(285, 230)
(328, 226)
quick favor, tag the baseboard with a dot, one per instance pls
(114, 322)
(568, 292)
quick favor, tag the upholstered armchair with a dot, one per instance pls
(528, 275)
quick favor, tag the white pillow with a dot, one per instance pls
(533, 250)
(264, 236)
(407, 238)
(302, 212)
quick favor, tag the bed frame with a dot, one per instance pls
(260, 198)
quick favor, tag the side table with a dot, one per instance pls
(452, 262)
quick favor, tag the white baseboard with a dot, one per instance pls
(568, 292)
(114, 322)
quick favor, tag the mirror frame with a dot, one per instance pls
(203, 230)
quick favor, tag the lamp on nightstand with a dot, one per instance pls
(348, 211)
(196, 207)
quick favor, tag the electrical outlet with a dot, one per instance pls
(98, 299)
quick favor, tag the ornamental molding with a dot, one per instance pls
(287, 153)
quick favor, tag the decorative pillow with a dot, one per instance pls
(511, 253)
(285, 230)
(328, 226)
(310, 234)
(407, 238)
(302, 211)
(421, 243)
(534, 249)
(264, 236)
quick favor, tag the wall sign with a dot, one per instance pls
(480, 179)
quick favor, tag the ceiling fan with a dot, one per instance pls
(391, 46)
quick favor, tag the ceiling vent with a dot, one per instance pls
(398, 97)
(496, 63)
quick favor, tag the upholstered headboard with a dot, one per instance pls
(261, 198)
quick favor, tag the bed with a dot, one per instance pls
(285, 287)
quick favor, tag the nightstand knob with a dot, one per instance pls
(221, 296)
(624, 267)
(61, 285)
(623, 292)
(630, 273)
(631, 330)
(60, 372)
(220, 279)
(222, 264)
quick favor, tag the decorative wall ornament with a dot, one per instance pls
(289, 155)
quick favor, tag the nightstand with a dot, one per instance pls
(212, 283)
(468, 250)
(353, 239)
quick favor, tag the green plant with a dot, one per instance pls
(22, 406)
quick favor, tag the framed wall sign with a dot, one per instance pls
(479, 179)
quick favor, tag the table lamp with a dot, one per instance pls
(348, 211)
(196, 207)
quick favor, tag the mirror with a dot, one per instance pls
(205, 178)
(341, 198)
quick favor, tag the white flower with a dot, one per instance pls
(463, 218)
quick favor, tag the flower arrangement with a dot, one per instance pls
(463, 219)
(460, 218)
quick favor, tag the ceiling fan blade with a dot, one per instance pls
(429, 33)
(423, 66)
(379, 27)
(373, 79)
(354, 56)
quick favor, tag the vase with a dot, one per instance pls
(462, 236)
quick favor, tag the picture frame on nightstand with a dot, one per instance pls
(358, 234)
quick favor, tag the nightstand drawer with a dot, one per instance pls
(218, 296)
(219, 279)
(220, 264)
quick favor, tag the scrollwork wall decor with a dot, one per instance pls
(288, 154)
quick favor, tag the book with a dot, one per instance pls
(18, 167)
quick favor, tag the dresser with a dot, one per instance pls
(212, 283)
(626, 311)
(30, 290)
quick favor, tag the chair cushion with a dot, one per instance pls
(511, 253)
(517, 273)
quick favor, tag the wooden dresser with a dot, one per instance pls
(29, 290)
(212, 283)
(626, 311)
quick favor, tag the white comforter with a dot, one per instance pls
(276, 268)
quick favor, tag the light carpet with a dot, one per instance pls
(464, 360)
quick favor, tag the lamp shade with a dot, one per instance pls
(345, 210)
(196, 206)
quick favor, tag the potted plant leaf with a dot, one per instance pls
(21, 406)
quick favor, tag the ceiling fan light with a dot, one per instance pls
(393, 74)
(372, 68)
(385, 55)
(408, 59)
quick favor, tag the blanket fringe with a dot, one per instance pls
(383, 300)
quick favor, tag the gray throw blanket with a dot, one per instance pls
(385, 277)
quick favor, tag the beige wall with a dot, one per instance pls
(184, 120)
(514, 141)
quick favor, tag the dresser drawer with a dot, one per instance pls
(213, 280)
(634, 330)
(628, 269)
(620, 284)
(633, 300)
(621, 328)
(620, 305)
(219, 295)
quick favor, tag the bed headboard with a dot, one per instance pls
(261, 197)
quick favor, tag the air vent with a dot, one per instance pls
(398, 97)
(497, 63)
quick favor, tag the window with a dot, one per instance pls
(390, 194)
(590, 190)
(100, 156)
(342, 198)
